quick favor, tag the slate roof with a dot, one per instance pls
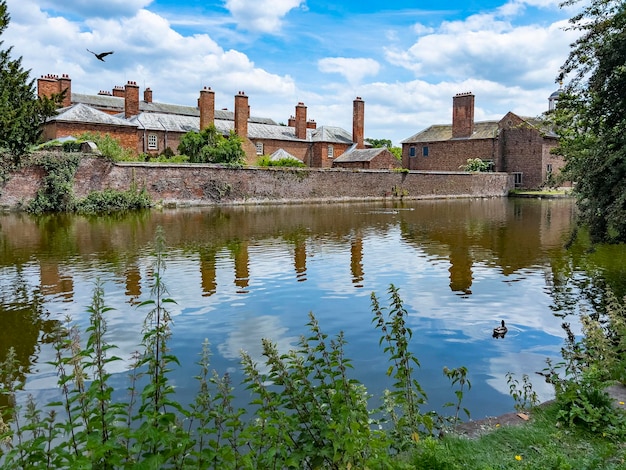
(82, 113)
(116, 103)
(330, 134)
(174, 118)
(282, 154)
(359, 155)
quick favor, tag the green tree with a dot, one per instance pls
(379, 143)
(210, 146)
(21, 112)
(590, 117)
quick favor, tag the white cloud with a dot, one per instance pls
(486, 47)
(261, 15)
(352, 69)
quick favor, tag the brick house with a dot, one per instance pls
(149, 127)
(367, 159)
(517, 145)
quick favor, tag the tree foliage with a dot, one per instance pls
(210, 146)
(590, 117)
(21, 112)
(380, 143)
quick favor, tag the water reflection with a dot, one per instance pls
(240, 274)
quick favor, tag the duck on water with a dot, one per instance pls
(500, 331)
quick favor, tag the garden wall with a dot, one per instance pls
(197, 184)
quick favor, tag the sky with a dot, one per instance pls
(405, 59)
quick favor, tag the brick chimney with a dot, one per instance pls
(358, 122)
(65, 83)
(311, 124)
(131, 99)
(462, 115)
(292, 121)
(147, 95)
(301, 121)
(206, 103)
(47, 85)
(242, 111)
(118, 91)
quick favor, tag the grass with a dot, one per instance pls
(541, 192)
(541, 443)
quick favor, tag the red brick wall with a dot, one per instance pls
(523, 153)
(127, 136)
(448, 155)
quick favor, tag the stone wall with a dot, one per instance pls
(197, 184)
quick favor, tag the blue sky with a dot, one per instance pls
(406, 59)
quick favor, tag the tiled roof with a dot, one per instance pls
(440, 132)
(83, 113)
(359, 155)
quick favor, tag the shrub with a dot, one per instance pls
(476, 165)
(266, 161)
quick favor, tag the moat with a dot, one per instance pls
(243, 273)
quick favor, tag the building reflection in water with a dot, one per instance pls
(133, 283)
(242, 265)
(356, 260)
(208, 273)
(52, 282)
(299, 259)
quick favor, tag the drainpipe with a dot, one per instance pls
(165, 135)
(143, 140)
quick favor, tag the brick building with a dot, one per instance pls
(149, 127)
(513, 144)
(367, 159)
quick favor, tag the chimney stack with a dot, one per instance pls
(462, 115)
(118, 91)
(147, 95)
(292, 121)
(358, 122)
(206, 103)
(65, 83)
(242, 112)
(47, 85)
(131, 99)
(301, 121)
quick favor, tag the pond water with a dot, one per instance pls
(240, 274)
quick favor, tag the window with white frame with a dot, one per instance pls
(412, 151)
(152, 142)
(331, 151)
(259, 148)
(518, 179)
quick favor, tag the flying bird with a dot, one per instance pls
(102, 55)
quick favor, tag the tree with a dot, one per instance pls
(22, 114)
(210, 146)
(380, 143)
(590, 117)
